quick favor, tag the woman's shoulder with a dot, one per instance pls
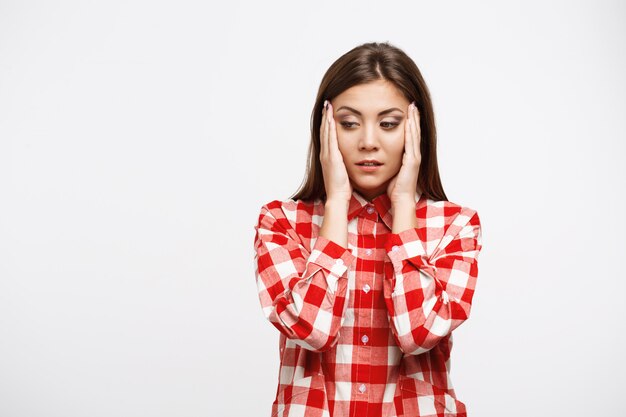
(296, 211)
(445, 212)
(444, 205)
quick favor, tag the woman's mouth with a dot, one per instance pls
(369, 166)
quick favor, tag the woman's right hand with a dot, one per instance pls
(336, 180)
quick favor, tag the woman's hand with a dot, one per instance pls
(336, 180)
(402, 187)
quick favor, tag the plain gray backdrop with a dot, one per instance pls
(139, 139)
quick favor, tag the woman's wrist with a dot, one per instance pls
(335, 223)
(404, 217)
(337, 204)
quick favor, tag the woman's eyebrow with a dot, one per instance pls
(380, 114)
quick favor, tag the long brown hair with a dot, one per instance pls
(366, 63)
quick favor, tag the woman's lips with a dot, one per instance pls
(369, 168)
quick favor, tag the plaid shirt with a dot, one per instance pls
(366, 331)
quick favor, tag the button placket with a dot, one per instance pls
(367, 250)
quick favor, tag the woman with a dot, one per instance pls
(368, 268)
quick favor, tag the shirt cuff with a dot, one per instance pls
(331, 256)
(404, 247)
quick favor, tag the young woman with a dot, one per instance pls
(368, 268)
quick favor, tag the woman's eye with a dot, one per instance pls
(385, 125)
(389, 125)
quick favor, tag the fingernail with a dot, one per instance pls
(326, 104)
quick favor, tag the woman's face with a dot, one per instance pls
(370, 126)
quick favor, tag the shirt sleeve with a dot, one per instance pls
(302, 293)
(429, 296)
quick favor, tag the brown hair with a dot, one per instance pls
(366, 63)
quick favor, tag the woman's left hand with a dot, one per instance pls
(402, 187)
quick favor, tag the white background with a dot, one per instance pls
(139, 139)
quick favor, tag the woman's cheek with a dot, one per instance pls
(397, 155)
(398, 146)
(344, 143)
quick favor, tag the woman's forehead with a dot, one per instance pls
(371, 97)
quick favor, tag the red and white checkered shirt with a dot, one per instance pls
(366, 330)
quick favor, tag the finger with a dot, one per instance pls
(324, 134)
(415, 125)
(332, 128)
(327, 132)
(408, 133)
(418, 133)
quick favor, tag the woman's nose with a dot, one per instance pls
(368, 139)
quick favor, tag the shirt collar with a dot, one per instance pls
(382, 204)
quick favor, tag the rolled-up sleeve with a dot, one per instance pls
(429, 296)
(302, 293)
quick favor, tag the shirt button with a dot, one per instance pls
(368, 251)
(395, 248)
(370, 210)
(365, 339)
(366, 288)
(339, 261)
(362, 388)
(444, 296)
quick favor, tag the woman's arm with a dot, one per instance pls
(335, 223)
(429, 296)
(303, 294)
